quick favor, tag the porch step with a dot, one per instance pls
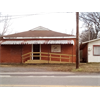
(43, 61)
(36, 61)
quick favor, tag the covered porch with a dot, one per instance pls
(43, 51)
(45, 57)
(50, 51)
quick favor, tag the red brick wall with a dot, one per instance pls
(11, 54)
(65, 49)
(26, 49)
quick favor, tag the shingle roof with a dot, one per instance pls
(39, 33)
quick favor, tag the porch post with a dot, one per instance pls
(72, 53)
(40, 51)
(22, 53)
(48, 53)
(32, 51)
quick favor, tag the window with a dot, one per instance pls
(96, 50)
(55, 48)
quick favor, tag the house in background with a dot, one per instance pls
(91, 50)
(39, 45)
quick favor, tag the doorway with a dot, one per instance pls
(36, 48)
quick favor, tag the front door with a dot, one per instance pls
(36, 48)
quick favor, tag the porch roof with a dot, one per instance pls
(13, 42)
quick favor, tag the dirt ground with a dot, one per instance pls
(83, 67)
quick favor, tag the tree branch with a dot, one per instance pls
(5, 22)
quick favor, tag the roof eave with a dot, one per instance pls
(90, 41)
(37, 37)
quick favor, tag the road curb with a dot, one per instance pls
(36, 73)
(46, 86)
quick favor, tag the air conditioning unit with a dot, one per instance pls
(89, 49)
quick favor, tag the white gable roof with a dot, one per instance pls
(91, 41)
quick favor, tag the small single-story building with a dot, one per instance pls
(91, 50)
(39, 45)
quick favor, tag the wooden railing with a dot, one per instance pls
(47, 56)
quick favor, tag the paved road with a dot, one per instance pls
(48, 79)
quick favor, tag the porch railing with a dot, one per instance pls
(48, 56)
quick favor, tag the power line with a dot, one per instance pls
(38, 14)
(20, 16)
(11, 17)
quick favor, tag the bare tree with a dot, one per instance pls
(72, 31)
(88, 34)
(92, 22)
(4, 21)
(99, 35)
(85, 36)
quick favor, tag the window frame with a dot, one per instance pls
(93, 50)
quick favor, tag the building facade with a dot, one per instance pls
(91, 51)
(39, 45)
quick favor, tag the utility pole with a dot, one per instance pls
(77, 40)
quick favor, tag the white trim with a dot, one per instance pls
(38, 37)
(38, 42)
(91, 41)
(40, 47)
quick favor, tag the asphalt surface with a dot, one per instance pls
(29, 76)
(49, 79)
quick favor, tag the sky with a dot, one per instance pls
(57, 21)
